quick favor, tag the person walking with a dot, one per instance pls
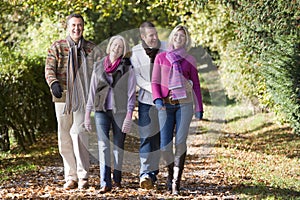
(142, 59)
(112, 98)
(68, 68)
(175, 85)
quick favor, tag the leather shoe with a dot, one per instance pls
(118, 186)
(83, 183)
(104, 190)
(146, 182)
(70, 184)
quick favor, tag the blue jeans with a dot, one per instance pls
(176, 117)
(149, 140)
(103, 121)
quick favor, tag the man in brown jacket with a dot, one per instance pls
(68, 69)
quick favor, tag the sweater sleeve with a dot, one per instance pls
(194, 77)
(51, 65)
(131, 91)
(156, 79)
(92, 92)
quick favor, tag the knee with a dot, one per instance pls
(180, 148)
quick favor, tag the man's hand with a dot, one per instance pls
(56, 90)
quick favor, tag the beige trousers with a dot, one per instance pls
(72, 143)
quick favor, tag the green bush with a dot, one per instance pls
(270, 29)
(25, 101)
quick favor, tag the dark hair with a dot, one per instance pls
(76, 16)
(145, 25)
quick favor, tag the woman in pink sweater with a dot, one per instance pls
(176, 88)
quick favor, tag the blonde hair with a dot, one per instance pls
(188, 41)
(126, 51)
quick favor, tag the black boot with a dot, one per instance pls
(178, 169)
(168, 157)
(170, 176)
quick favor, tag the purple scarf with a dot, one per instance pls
(176, 79)
(109, 67)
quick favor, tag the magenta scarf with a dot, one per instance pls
(176, 79)
(108, 66)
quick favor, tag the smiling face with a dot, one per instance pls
(150, 37)
(116, 49)
(75, 28)
(179, 39)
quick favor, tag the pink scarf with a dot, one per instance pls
(108, 66)
(176, 79)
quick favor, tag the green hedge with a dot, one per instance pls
(256, 47)
(25, 101)
(268, 32)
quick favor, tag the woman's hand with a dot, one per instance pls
(87, 121)
(127, 123)
(199, 115)
(159, 104)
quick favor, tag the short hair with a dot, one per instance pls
(188, 41)
(145, 25)
(126, 52)
(76, 15)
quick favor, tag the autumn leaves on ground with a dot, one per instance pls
(41, 174)
(251, 158)
(233, 153)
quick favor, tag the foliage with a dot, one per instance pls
(210, 26)
(254, 43)
(247, 40)
(262, 62)
(281, 71)
(27, 31)
(23, 104)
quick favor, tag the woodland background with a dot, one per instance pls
(255, 45)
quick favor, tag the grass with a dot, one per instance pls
(18, 162)
(260, 157)
(14, 170)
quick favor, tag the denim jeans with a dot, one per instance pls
(103, 121)
(149, 140)
(176, 117)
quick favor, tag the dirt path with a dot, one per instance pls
(202, 178)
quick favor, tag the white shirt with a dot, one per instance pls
(141, 64)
